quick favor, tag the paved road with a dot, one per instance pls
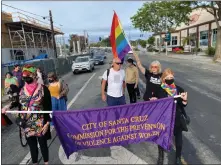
(202, 144)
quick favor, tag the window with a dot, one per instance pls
(193, 39)
(204, 38)
(214, 37)
(174, 40)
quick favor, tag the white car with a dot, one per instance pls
(130, 52)
(82, 64)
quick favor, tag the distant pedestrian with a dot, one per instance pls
(153, 77)
(115, 79)
(132, 78)
(18, 74)
(170, 89)
(40, 77)
(59, 91)
(9, 80)
(137, 89)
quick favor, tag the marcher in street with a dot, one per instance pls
(59, 91)
(35, 97)
(132, 77)
(9, 80)
(170, 89)
(116, 84)
(137, 89)
(152, 75)
(40, 76)
(18, 74)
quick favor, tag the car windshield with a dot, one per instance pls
(97, 57)
(78, 60)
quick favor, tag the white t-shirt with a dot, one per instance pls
(115, 82)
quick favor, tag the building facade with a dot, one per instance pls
(201, 31)
(25, 38)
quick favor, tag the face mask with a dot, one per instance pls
(169, 82)
(50, 81)
(28, 80)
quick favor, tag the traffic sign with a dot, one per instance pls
(168, 36)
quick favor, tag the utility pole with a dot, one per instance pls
(52, 31)
(85, 40)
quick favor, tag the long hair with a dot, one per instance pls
(166, 72)
(53, 75)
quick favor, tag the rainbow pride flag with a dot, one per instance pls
(119, 43)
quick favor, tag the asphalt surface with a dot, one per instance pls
(202, 144)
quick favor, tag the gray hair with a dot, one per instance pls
(156, 63)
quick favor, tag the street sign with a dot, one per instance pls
(168, 36)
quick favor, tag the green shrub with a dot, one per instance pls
(210, 51)
(150, 49)
(136, 49)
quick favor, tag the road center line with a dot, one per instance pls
(28, 156)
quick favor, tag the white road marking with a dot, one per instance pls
(189, 80)
(81, 90)
(28, 156)
(202, 151)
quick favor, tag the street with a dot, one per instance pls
(201, 145)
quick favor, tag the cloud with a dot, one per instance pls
(76, 16)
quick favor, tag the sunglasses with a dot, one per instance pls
(154, 67)
(118, 63)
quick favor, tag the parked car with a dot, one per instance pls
(98, 60)
(82, 64)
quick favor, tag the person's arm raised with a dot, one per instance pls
(139, 65)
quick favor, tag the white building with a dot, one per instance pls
(202, 29)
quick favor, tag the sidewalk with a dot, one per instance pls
(200, 58)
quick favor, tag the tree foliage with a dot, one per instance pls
(159, 16)
(151, 40)
(142, 43)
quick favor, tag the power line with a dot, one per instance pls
(44, 17)
(24, 11)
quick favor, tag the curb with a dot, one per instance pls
(192, 59)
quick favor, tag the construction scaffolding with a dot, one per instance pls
(30, 37)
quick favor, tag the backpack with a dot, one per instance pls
(108, 72)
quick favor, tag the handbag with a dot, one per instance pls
(185, 121)
(21, 122)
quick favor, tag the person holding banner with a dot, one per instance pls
(170, 89)
(132, 78)
(34, 97)
(116, 84)
(153, 77)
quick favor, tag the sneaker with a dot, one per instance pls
(178, 161)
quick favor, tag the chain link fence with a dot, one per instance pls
(60, 66)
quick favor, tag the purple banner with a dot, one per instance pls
(151, 121)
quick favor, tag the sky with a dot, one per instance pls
(74, 16)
